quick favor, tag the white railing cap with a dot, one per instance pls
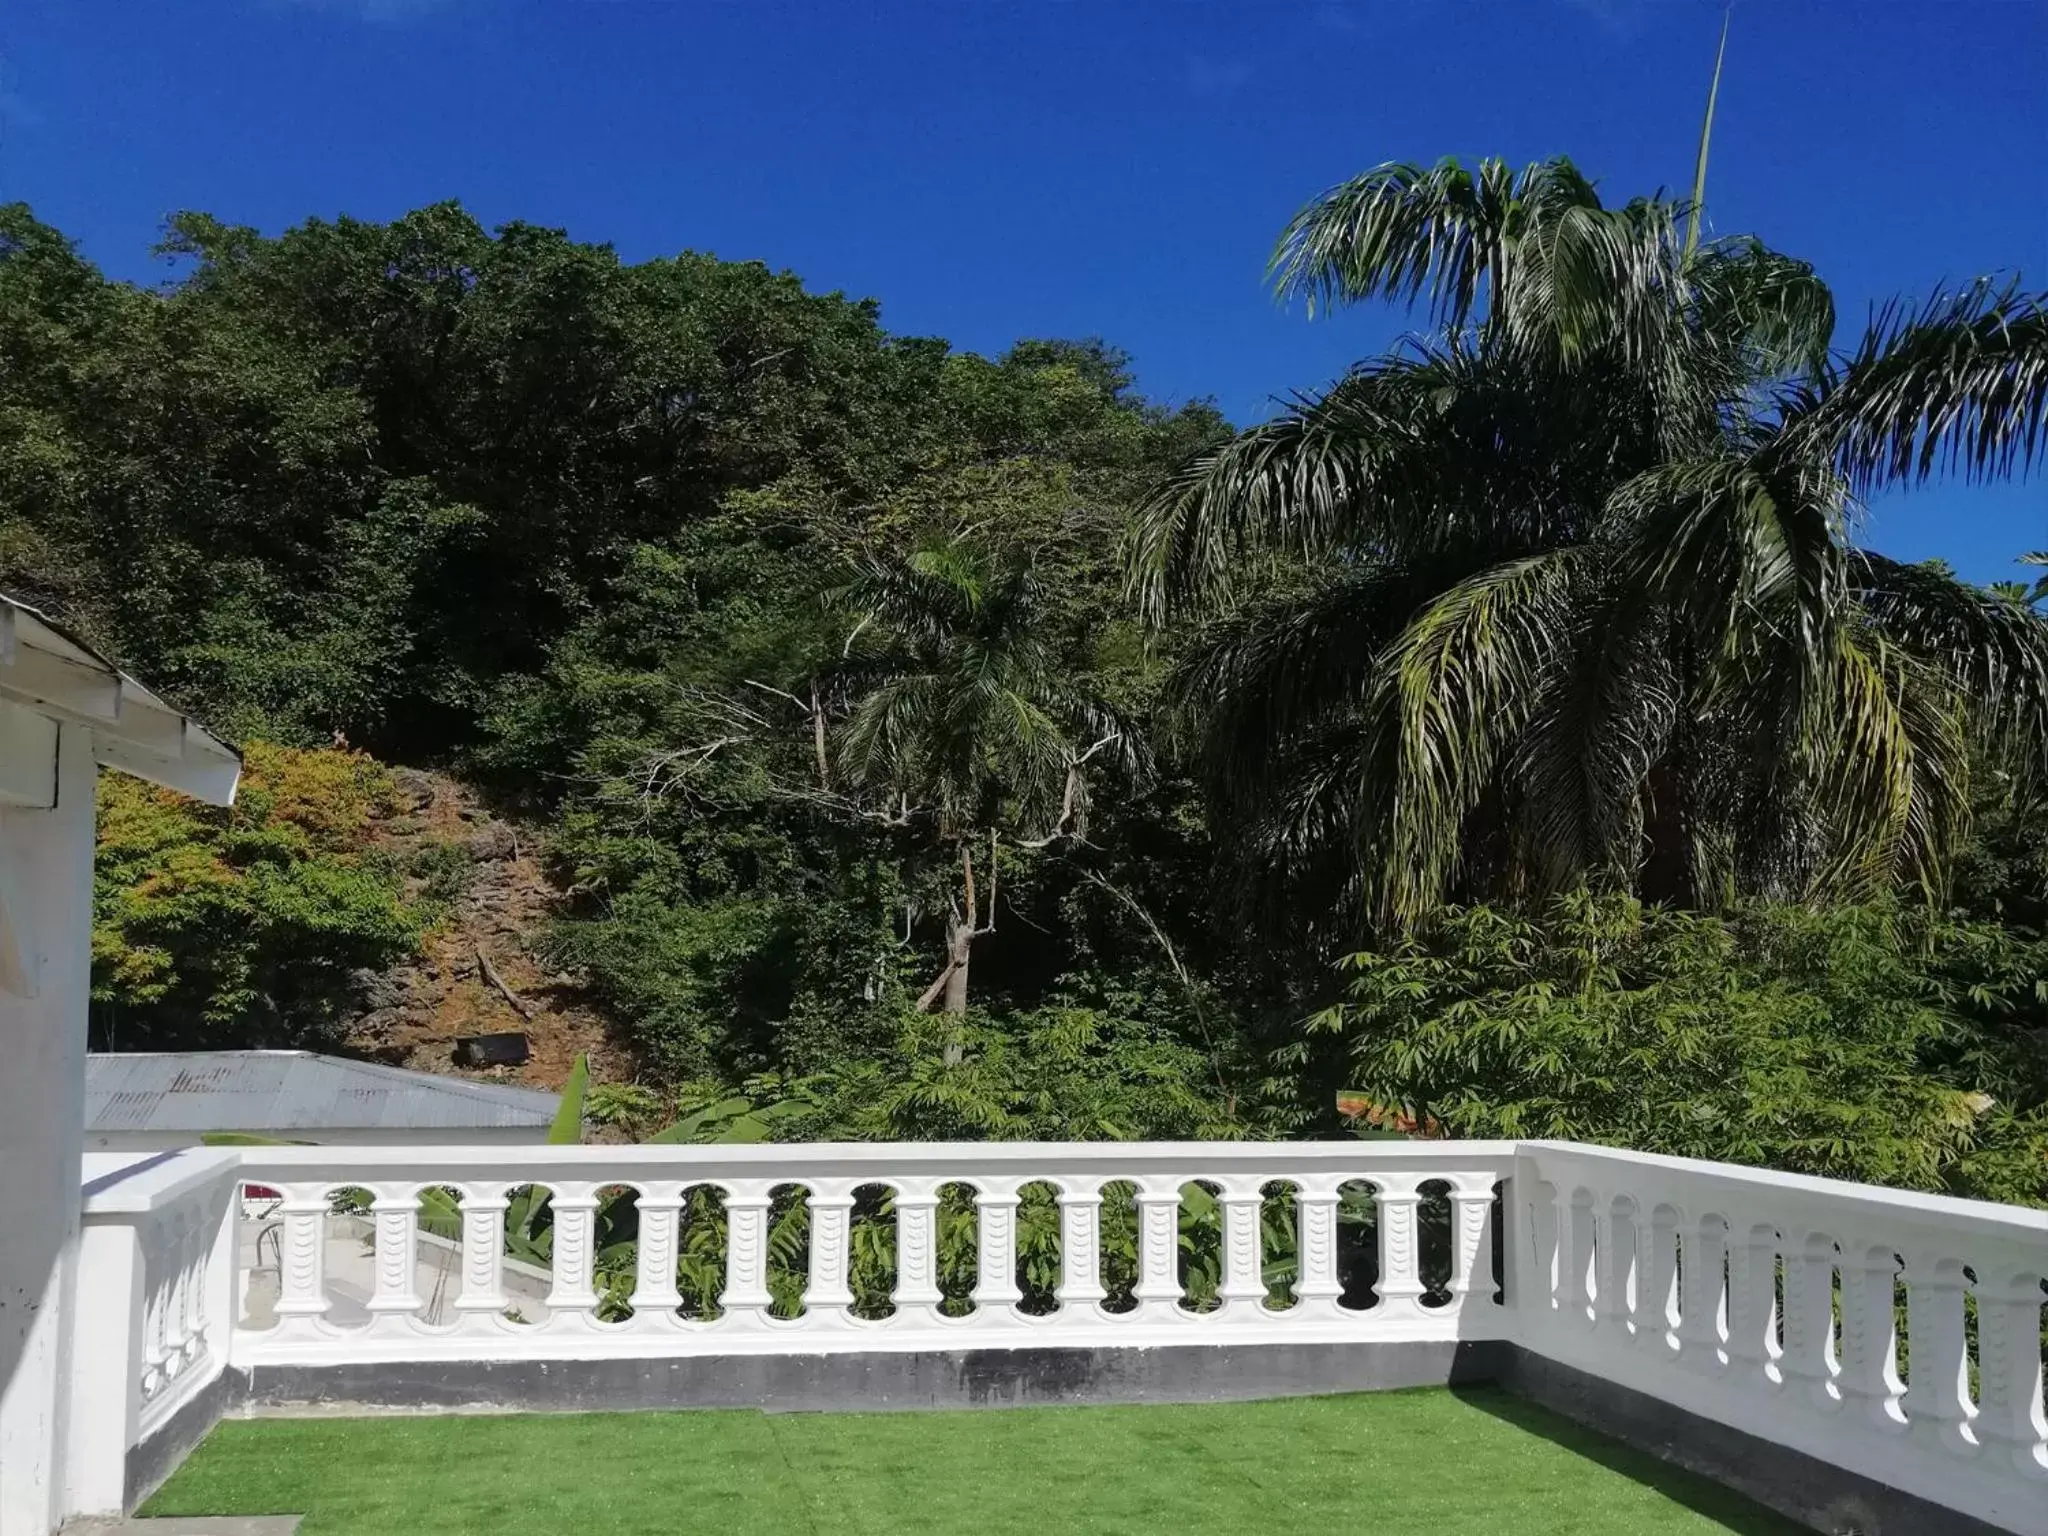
(135, 1186)
(1942, 1210)
(854, 1158)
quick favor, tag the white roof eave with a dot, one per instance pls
(44, 669)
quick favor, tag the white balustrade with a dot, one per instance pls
(636, 1307)
(1821, 1372)
(151, 1310)
(1765, 1301)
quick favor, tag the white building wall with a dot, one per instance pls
(46, 856)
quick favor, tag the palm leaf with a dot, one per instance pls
(1955, 385)
(1455, 688)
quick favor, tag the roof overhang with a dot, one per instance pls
(51, 675)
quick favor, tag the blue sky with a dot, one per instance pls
(991, 170)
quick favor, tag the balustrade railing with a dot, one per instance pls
(1895, 1334)
(707, 1250)
(152, 1309)
(1898, 1336)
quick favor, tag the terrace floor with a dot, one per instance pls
(1463, 1463)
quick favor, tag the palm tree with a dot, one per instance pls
(1568, 591)
(966, 726)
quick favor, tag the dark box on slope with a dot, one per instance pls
(506, 1050)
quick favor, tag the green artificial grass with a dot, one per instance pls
(1470, 1463)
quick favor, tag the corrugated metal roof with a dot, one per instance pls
(279, 1092)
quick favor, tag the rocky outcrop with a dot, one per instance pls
(477, 972)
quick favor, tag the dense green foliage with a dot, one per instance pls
(243, 926)
(828, 661)
(1860, 1043)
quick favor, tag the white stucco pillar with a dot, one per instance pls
(46, 883)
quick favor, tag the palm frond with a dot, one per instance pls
(1303, 484)
(1699, 165)
(1892, 769)
(1587, 280)
(1994, 648)
(1773, 308)
(1262, 678)
(1739, 545)
(1456, 687)
(1582, 768)
(1409, 233)
(1956, 385)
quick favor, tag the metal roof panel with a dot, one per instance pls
(276, 1092)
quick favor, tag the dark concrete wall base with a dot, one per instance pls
(157, 1457)
(1815, 1493)
(968, 1378)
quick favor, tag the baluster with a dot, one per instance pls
(394, 1221)
(1080, 1248)
(221, 1294)
(1937, 1400)
(198, 1272)
(179, 1342)
(483, 1254)
(1657, 1283)
(2011, 1423)
(829, 1293)
(746, 1298)
(1699, 1307)
(1244, 1282)
(995, 1282)
(1869, 1379)
(917, 1268)
(1809, 1358)
(302, 1260)
(155, 1355)
(1614, 1289)
(171, 1283)
(1753, 1305)
(1546, 1258)
(1316, 1286)
(1396, 1197)
(1577, 1254)
(1158, 1287)
(1471, 1240)
(572, 1297)
(655, 1296)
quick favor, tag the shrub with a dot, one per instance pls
(244, 926)
(1869, 1043)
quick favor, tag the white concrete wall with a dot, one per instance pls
(47, 855)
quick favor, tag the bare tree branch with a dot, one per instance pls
(520, 1006)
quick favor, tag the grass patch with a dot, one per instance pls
(1471, 1464)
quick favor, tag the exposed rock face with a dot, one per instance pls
(413, 1015)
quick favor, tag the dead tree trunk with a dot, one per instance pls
(959, 951)
(964, 924)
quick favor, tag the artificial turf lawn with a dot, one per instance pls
(1473, 1463)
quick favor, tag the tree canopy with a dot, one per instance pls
(1537, 666)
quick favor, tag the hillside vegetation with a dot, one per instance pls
(859, 737)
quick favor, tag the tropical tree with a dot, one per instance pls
(2031, 593)
(1569, 589)
(965, 727)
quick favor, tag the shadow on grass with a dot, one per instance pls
(1701, 1494)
